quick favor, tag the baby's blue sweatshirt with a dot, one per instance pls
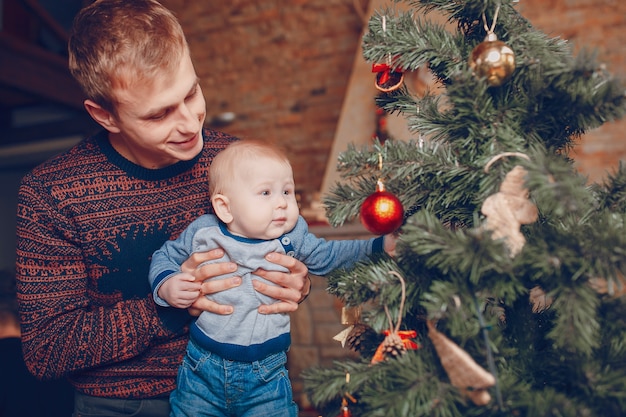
(245, 335)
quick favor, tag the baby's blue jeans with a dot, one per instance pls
(209, 385)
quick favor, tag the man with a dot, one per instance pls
(89, 219)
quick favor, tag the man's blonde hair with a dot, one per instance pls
(236, 157)
(115, 43)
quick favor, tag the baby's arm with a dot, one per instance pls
(180, 290)
(322, 256)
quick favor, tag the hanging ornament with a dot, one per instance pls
(357, 336)
(464, 373)
(345, 411)
(509, 208)
(396, 342)
(388, 76)
(362, 338)
(350, 316)
(382, 211)
(492, 59)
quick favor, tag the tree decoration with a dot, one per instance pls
(359, 338)
(389, 77)
(566, 358)
(356, 332)
(345, 410)
(349, 316)
(465, 374)
(396, 342)
(509, 208)
(492, 58)
(382, 212)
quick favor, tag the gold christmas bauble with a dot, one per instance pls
(492, 59)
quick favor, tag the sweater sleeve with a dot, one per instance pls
(323, 256)
(63, 330)
(167, 260)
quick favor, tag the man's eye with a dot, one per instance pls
(192, 94)
(159, 116)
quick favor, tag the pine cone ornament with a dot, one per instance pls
(396, 341)
(356, 336)
(393, 346)
(362, 339)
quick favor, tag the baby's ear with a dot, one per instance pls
(221, 206)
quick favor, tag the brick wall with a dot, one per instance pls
(283, 66)
(601, 25)
(280, 65)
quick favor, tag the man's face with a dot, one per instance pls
(159, 121)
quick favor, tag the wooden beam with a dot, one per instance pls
(80, 124)
(55, 27)
(357, 122)
(37, 72)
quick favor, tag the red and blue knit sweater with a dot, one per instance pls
(88, 221)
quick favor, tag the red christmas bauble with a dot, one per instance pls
(382, 213)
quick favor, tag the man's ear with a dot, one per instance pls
(102, 116)
(221, 206)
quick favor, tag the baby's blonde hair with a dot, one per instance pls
(236, 157)
(115, 43)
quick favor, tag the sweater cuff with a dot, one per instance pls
(378, 245)
(174, 319)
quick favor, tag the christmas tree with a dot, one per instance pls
(506, 295)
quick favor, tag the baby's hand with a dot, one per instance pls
(180, 290)
(389, 244)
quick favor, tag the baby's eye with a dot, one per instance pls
(265, 192)
(286, 192)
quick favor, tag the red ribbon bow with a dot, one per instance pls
(386, 70)
(405, 336)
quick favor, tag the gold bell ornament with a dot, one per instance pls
(492, 59)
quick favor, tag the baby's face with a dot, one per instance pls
(263, 201)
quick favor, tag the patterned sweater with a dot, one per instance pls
(88, 222)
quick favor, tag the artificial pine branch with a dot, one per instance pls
(567, 358)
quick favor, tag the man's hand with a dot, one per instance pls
(203, 273)
(292, 287)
